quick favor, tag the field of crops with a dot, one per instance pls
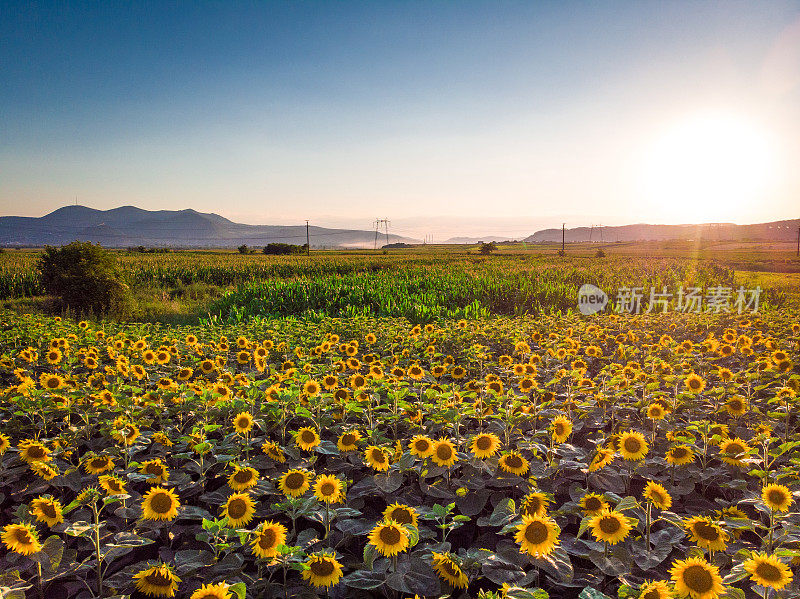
(383, 426)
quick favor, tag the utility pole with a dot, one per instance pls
(308, 242)
(386, 228)
(377, 226)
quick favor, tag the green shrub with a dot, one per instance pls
(85, 278)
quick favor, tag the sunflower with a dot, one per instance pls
(402, 514)
(51, 382)
(768, 571)
(696, 578)
(485, 445)
(348, 441)
(706, 533)
(239, 509)
(603, 457)
(306, 438)
(33, 451)
(5, 443)
(736, 405)
(655, 411)
(269, 536)
(212, 591)
(323, 570)
(328, 488)
(98, 464)
(777, 497)
(513, 463)
(389, 537)
(160, 504)
(632, 446)
(657, 495)
(21, 538)
(126, 434)
(46, 471)
(534, 504)
(415, 372)
(537, 535)
(610, 526)
(680, 455)
(54, 355)
(243, 478)
(421, 446)
(449, 571)
(157, 581)
(592, 504)
(47, 510)
(271, 450)
(656, 589)
(158, 471)
(695, 383)
(112, 485)
(562, 429)
(243, 423)
(312, 388)
(733, 450)
(294, 483)
(377, 458)
(444, 453)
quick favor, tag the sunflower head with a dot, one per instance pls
(513, 463)
(294, 483)
(610, 526)
(632, 445)
(696, 578)
(768, 571)
(238, 509)
(157, 581)
(21, 538)
(268, 538)
(485, 445)
(322, 570)
(307, 438)
(377, 458)
(444, 453)
(160, 504)
(657, 495)
(537, 535)
(592, 504)
(328, 489)
(777, 497)
(389, 538)
(449, 570)
(706, 533)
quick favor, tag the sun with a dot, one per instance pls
(708, 167)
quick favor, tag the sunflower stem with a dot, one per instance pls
(39, 579)
(648, 522)
(96, 539)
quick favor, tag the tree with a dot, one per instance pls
(84, 277)
(487, 248)
(243, 249)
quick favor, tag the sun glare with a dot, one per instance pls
(708, 168)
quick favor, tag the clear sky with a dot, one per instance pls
(445, 117)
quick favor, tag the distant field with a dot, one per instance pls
(448, 280)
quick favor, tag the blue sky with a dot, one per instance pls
(505, 115)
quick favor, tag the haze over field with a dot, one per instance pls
(469, 119)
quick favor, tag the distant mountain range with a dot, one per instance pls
(782, 230)
(129, 226)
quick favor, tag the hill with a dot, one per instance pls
(128, 226)
(783, 230)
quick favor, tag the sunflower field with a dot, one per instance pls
(562, 456)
